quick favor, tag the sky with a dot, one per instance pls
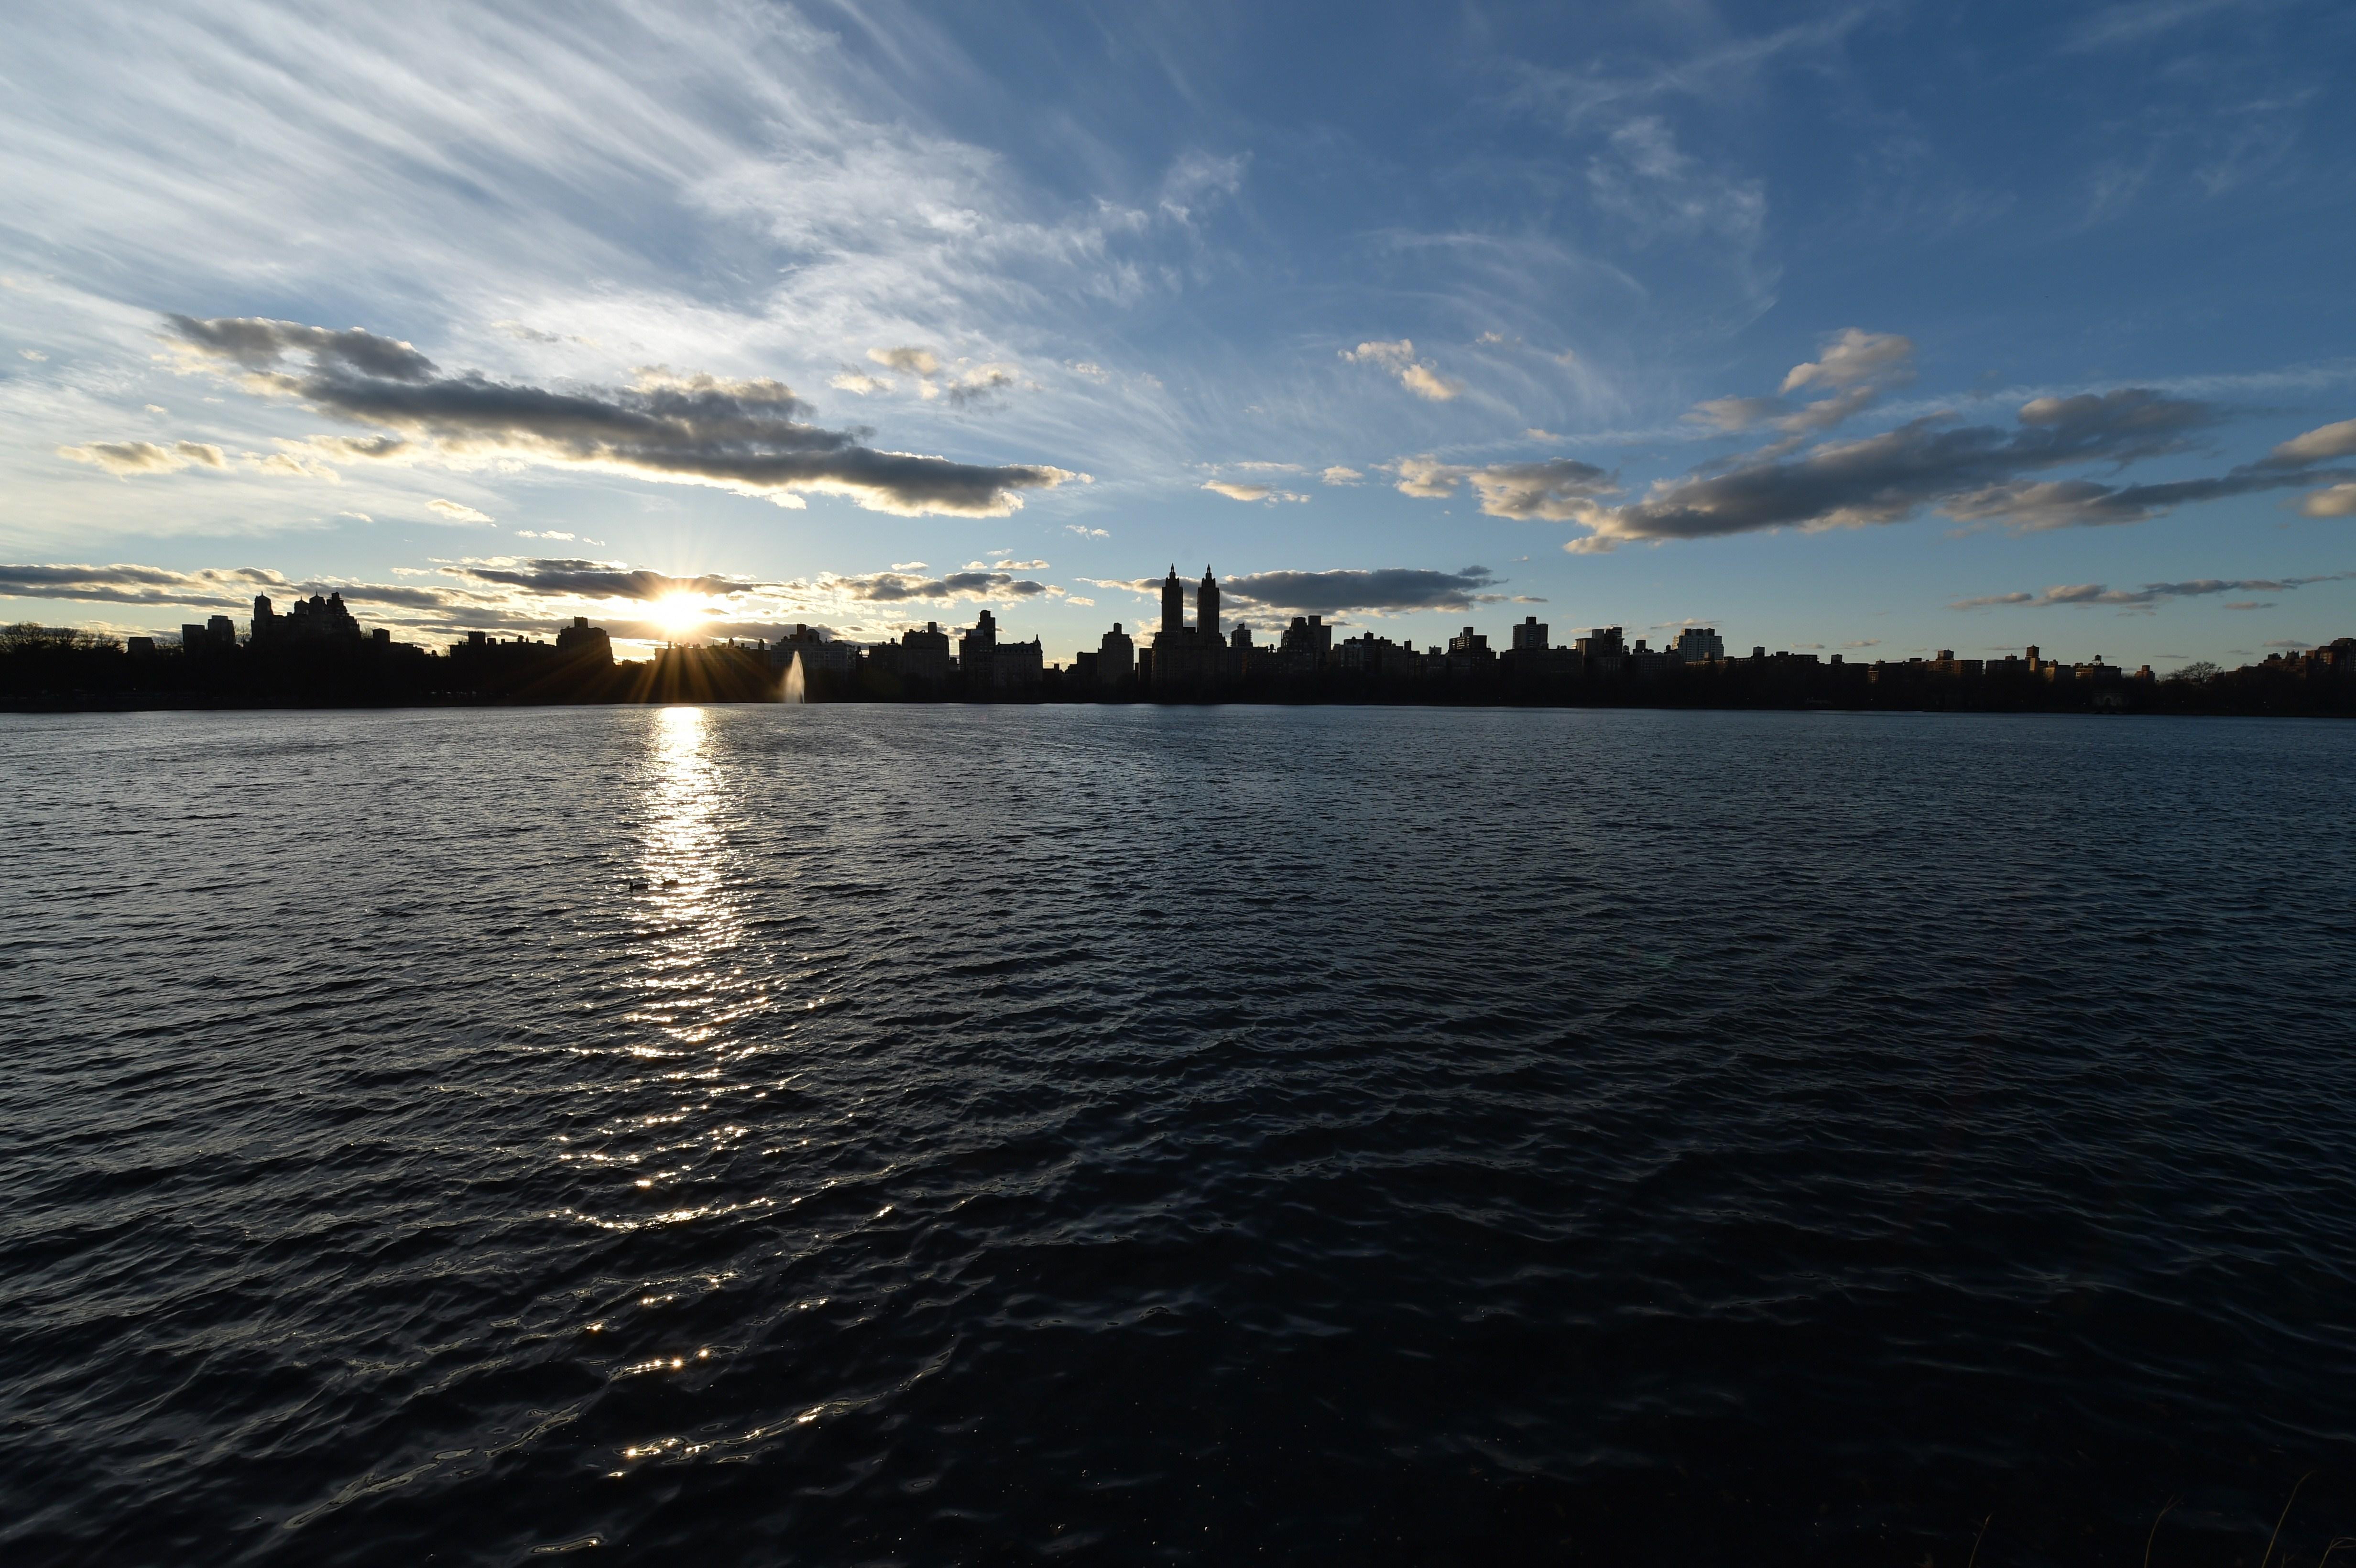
(1875, 329)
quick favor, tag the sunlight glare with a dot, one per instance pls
(678, 613)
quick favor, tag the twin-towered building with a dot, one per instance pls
(1196, 655)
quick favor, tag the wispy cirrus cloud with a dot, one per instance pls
(751, 436)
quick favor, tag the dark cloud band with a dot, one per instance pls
(748, 435)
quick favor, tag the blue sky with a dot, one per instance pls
(1877, 328)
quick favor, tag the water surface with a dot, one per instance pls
(942, 1134)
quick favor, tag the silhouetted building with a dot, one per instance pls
(1700, 644)
(581, 640)
(1600, 651)
(1530, 636)
(305, 618)
(1468, 655)
(1303, 647)
(990, 666)
(919, 655)
(1115, 658)
(1191, 657)
(817, 651)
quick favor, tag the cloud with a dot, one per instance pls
(970, 386)
(1852, 356)
(1426, 477)
(2339, 501)
(1415, 374)
(894, 587)
(907, 565)
(1337, 475)
(592, 579)
(456, 512)
(2325, 442)
(741, 435)
(35, 355)
(1394, 356)
(2150, 593)
(1855, 367)
(1384, 590)
(1086, 532)
(1267, 467)
(1556, 491)
(515, 594)
(1559, 490)
(295, 464)
(860, 382)
(546, 534)
(2137, 20)
(124, 583)
(1971, 473)
(129, 457)
(912, 361)
(1425, 382)
(1728, 413)
(1235, 492)
(1664, 197)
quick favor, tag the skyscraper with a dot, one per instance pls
(1206, 608)
(1174, 603)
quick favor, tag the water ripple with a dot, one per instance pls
(810, 1134)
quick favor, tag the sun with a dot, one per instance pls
(677, 613)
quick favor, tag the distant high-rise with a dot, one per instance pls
(1698, 644)
(1116, 656)
(582, 640)
(976, 648)
(1530, 636)
(1186, 656)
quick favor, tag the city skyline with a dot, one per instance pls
(717, 323)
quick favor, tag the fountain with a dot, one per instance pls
(790, 688)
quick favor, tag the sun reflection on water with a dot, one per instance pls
(684, 856)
